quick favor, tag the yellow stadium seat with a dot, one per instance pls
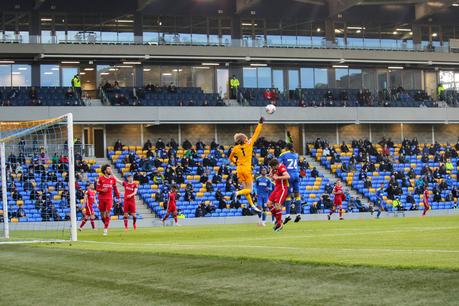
(57, 197)
(19, 202)
(114, 218)
(14, 220)
(312, 196)
(154, 186)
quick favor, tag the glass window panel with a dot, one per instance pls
(382, 79)
(395, 78)
(126, 36)
(151, 75)
(320, 78)
(5, 75)
(278, 80)
(21, 75)
(169, 75)
(49, 75)
(249, 77)
(150, 37)
(67, 75)
(307, 77)
(293, 79)
(341, 78)
(203, 78)
(185, 79)
(369, 79)
(46, 37)
(264, 77)
(355, 78)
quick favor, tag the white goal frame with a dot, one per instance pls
(71, 184)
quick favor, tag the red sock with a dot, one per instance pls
(108, 221)
(83, 223)
(175, 219)
(134, 222)
(125, 222)
(165, 217)
(278, 215)
(340, 213)
(93, 224)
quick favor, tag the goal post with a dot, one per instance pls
(38, 180)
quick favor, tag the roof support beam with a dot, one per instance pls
(242, 5)
(429, 8)
(336, 7)
(142, 4)
(38, 3)
(315, 2)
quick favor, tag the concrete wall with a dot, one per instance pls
(446, 133)
(195, 132)
(129, 134)
(236, 115)
(422, 131)
(164, 131)
(393, 131)
(349, 132)
(324, 131)
(227, 131)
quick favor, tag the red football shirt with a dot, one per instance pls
(172, 199)
(426, 196)
(280, 171)
(108, 183)
(91, 196)
(129, 188)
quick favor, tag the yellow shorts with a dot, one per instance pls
(245, 175)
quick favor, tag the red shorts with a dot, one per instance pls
(129, 207)
(171, 209)
(105, 204)
(278, 195)
(88, 210)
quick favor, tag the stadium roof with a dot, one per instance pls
(440, 11)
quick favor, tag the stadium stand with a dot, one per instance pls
(404, 169)
(161, 96)
(200, 173)
(44, 96)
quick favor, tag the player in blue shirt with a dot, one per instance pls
(263, 187)
(290, 160)
(379, 200)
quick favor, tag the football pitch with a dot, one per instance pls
(402, 261)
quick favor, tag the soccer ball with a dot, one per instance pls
(270, 109)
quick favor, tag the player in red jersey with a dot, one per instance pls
(89, 201)
(129, 208)
(277, 197)
(338, 200)
(171, 205)
(426, 201)
(106, 184)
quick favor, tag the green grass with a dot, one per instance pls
(407, 261)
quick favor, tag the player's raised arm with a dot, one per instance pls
(257, 132)
(231, 157)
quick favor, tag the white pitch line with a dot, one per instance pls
(175, 245)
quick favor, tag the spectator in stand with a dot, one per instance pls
(314, 172)
(150, 87)
(118, 145)
(160, 145)
(234, 87)
(301, 103)
(171, 88)
(187, 145)
(344, 97)
(329, 98)
(200, 211)
(147, 146)
(33, 96)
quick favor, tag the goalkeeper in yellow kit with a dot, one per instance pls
(241, 156)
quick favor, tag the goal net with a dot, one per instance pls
(37, 191)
